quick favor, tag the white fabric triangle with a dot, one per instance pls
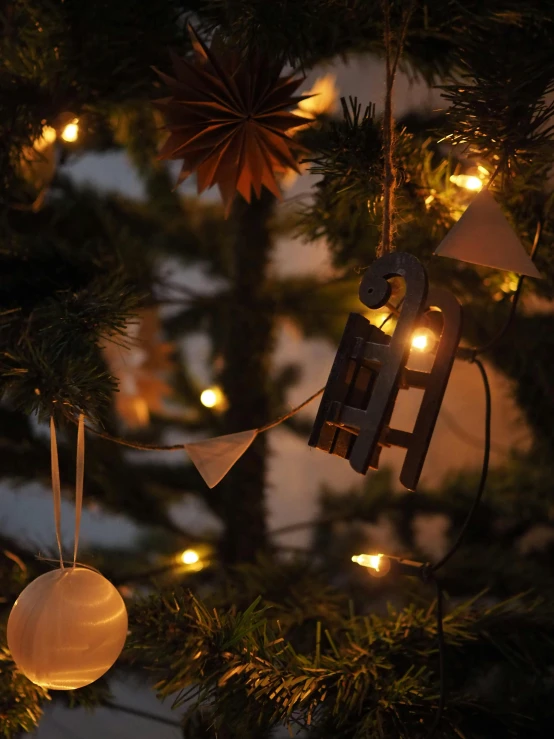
(484, 236)
(213, 458)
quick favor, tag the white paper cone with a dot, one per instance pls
(213, 458)
(484, 236)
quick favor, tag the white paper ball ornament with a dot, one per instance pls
(68, 627)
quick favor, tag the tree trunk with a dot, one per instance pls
(245, 378)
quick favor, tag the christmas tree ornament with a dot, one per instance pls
(483, 236)
(228, 119)
(213, 458)
(68, 627)
(369, 370)
(141, 367)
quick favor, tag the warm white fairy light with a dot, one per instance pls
(190, 557)
(420, 342)
(71, 132)
(377, 564)
(211, 397)
(467, 181)
(368, 560)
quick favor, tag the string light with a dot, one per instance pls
(71, 132)
(420, 342)
(423, 340)
(368, 560)
(377, 564)
(212, 397)
(380, 565)
(467, 181)
(190, 557)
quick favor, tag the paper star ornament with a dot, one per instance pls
(228, 119)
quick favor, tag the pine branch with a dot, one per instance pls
(380, 668)
(506, 93)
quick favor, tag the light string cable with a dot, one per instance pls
(439, 610)
(484, 470)
(430, 570)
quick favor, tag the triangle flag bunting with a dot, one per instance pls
(213, 458)
(484, 236)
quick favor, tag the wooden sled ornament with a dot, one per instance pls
(370, 368)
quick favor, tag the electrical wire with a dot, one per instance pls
(484, 470)
(441, 649)
(428, 571)
(515, 300)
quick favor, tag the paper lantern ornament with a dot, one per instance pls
(369, 370)
(484, 236)
(228, 119)
(67, 628)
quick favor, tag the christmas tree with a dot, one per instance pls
(102, 321)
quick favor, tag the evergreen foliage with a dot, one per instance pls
(251, 643)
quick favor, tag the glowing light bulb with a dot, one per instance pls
(378, 564)
(190, 557)
(71, 131)
(468, 181)
(368, 560)
(423, 339)
(420, 341)
(212, 397)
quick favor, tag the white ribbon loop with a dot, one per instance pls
(79, 478)
(56, 488)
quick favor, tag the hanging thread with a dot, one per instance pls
(389, 179)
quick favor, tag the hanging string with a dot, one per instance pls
(292, 412)
(389, 179)
(79, 479)
(56, 487)
(180, 447)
